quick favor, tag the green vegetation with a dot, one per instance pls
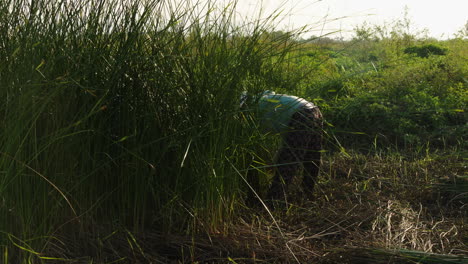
(121, 139)
(425, 51)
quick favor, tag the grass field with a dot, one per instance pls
(121, 140)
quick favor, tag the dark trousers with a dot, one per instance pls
(300, 149)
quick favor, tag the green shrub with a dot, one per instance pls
(407, 103)
(426, 50)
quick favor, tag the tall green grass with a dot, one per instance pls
(124, 113)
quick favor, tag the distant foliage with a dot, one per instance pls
(426, 50)
(370, 88)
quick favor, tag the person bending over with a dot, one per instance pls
(300, 123)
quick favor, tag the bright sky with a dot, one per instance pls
(441, 18)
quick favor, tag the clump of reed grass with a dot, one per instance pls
(124, 113)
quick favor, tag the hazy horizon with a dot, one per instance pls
(442, 20)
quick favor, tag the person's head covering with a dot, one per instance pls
(245, 96)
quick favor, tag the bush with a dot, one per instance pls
(408, 102)
(426, 50)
